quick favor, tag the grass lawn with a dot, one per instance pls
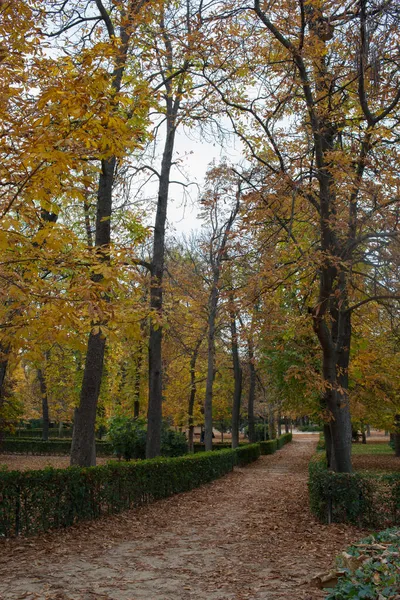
(371, 449)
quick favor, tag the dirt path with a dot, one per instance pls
(247, 536)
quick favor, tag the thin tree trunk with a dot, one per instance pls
(237, 376)
(252, 393)
(396, 435)
(212, 314)
(45, 404)
(192, 395)
(279, 424)
(136, 385)
(271, 423)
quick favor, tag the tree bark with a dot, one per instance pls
(396, 435)
(45, 404)
(212, 314)
(237, 376)
(252, 393)
(192, 395)
(271, 423)
(83, 438)
(154, 412)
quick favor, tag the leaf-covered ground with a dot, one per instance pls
(21, 462)
(247, 536)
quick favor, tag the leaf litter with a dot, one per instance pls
(247, 536)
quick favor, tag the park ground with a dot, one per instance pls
(247, 536)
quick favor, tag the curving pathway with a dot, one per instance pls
(247, 536)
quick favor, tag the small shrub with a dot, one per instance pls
(127, 437)
(173, 443)
(378, 574)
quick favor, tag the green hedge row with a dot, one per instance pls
(103, 448)
(365, 499)
(283, 440)
(38, 432)
(55, 447)
(35, 501)
(272, 446)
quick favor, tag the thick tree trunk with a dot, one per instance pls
(328, 444)
(252, 393)
(237, 376)
(45, 404)
(154, 413)
(212, 314)
(279, 424)
(83, 439)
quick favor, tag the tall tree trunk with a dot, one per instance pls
(83, 439)
(154, 412)
(212, 315)
(192, 395)
(271, 423)
(237, 376)
(4, 354)
(252, 393)
(136, 385)
(279, 424)
(396, 435)
(45, 404)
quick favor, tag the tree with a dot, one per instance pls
(322, 131)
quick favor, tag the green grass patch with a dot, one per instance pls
(371, 449)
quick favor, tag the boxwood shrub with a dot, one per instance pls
(35, 501)
(269, 447)
(364, 499)
(247, 454)
(283, 439)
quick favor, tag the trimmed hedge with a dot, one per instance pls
(284, 439)
(35, 501)
(38, 433)
(269, 447)
(247, 454)
(272, 446)
(364, 499)
(55, 447)
(201, 447)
